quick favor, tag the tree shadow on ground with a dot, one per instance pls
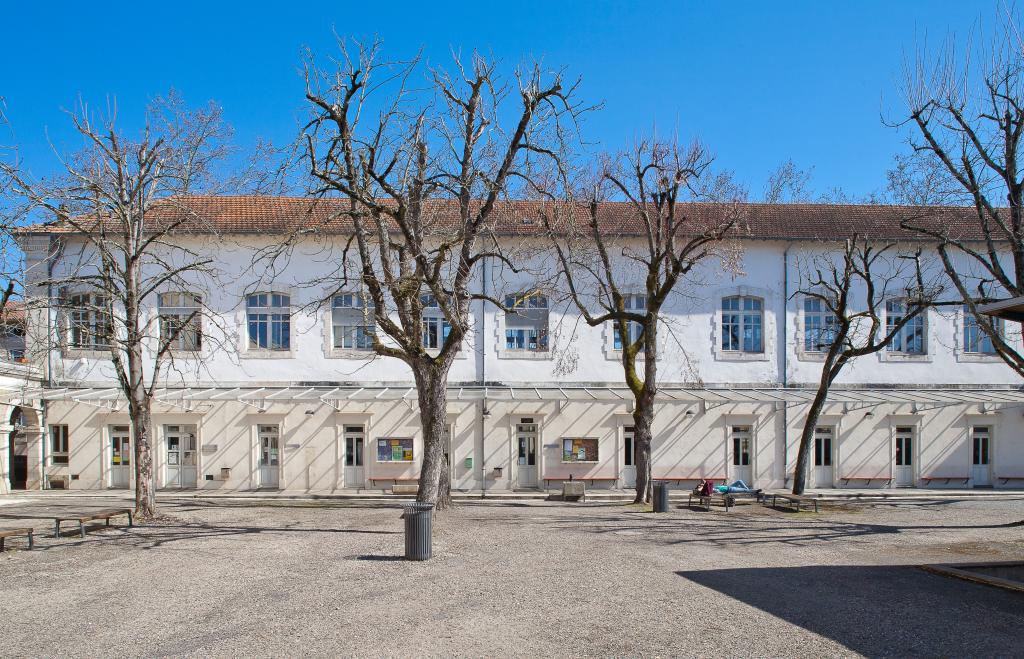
(735, 529)
(880, 610)
(148, 537)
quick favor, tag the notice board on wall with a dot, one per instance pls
(579, 449)
(394, 449)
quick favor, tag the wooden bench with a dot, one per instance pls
(14, 533)
(399, 485)
(729, 500)
(582, 479)
(928, 479)
(1007, 479)
(679, 479)
(795, 500)
(846, 479)
(90, 517)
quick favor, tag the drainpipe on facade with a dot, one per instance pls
(52, 251)
(483, 373)
(785, 365)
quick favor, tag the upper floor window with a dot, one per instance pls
(180, 321)
(632, 303)
(526, 322)
(742, 324)
(91, 327)
(976, 341)
(909, 340)
(352, 322)
(436, 327)
(820, 325)
(270, 321)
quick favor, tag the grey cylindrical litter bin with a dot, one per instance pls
(661, 497)
(418, 530)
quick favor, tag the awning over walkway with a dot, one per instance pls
(337, 396)
(1012, 309)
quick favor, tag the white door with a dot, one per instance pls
(903, 471)
(822, 474)
(355, 439)
(742, 470)
(526, 462)
(270, 467)
(181, 456)
(981, 466)
(120, 456)
(629, 457)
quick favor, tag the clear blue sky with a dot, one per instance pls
(760, 82)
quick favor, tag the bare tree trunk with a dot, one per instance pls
(643, 420)
(807, 436)
(141, 419)
(433, 398)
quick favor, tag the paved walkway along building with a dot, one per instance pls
(272, 390)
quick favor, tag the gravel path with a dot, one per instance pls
(515, 579)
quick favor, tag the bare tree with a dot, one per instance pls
(10, 262)
(853, 284)
(621, 268)
(422, 173)
(121, 202)
(966, 110)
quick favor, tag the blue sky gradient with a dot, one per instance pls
(758, 82)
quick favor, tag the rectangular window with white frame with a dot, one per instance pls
(59, 453)
(976, 341)
(269, 318)
(910, 339)
(352, 325)
(436, 327)
(743, 324)
(820, 325)
(526, 322)
(90, 326)
(635, 303)
(181, 321)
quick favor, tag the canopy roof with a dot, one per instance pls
(1011, 309)
(337, 397)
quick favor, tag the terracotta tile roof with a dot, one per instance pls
(278, 215)
(13, 313)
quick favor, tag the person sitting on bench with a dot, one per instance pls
(705, 488)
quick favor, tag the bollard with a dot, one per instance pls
(660, 497)
(418, 530)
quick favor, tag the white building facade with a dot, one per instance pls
(275, 388)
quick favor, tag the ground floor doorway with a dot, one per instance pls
(629, 457)
(181, 465)
(822, 473)
(903, 468)
(270, 458)
(120, 457)
(526, 460)
(742, 448)
(981, 456)
(355, 441)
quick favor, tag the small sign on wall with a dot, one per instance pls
(209, 448)
(468, 462)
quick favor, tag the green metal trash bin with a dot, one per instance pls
(419, 519)
(660, 497)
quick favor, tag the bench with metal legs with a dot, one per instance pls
(90, 517)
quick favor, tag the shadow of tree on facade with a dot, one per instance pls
(879, 610)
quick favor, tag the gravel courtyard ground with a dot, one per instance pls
(513, 579)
